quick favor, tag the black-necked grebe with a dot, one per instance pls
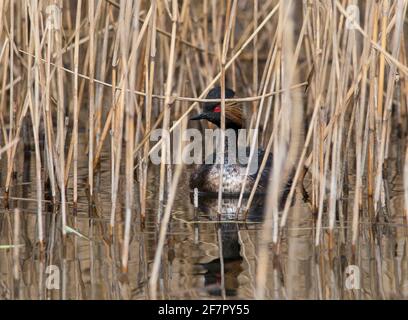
(206, 177)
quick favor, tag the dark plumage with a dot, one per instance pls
(212, 110)
(206, 177)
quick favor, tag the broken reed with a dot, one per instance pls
(115, 71)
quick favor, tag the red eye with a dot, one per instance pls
(217, 109)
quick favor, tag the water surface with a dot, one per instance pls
(205, 256)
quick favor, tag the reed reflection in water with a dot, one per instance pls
(206, 255)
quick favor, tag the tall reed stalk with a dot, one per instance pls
(324, 83)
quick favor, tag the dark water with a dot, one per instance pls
(203, 257)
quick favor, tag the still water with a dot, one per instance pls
(204, 257)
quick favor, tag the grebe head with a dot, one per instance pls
(212, 110)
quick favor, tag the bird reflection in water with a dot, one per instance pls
(221, 274)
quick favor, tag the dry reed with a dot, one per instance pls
(112, 72)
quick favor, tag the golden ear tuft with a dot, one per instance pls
(233, 111)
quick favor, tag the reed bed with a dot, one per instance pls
(324, 82)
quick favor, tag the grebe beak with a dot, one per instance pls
(200, 116)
